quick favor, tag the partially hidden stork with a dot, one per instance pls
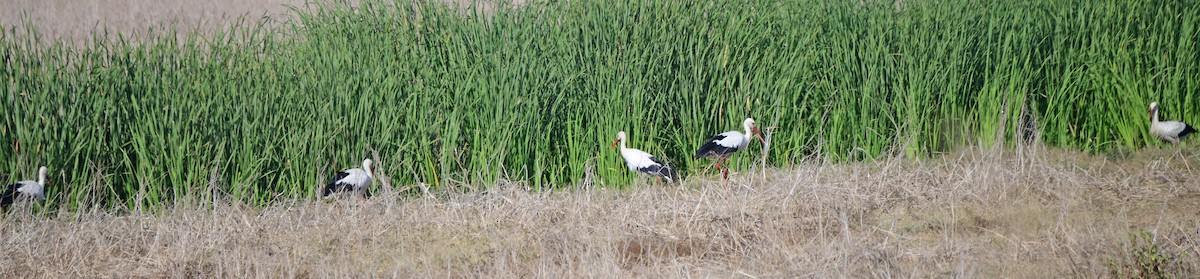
(25, 189)
(355, 180)
(725, 144)
(1172, 131)
(643, 162)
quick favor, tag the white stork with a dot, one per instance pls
(1171, 131)
(643, 162)
(354, 180)
(26, 188)
(725, 144)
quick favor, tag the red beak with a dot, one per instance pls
(615, 141)
(758, 134)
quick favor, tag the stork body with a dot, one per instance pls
(355, 181)
(643, 162)
(1171, 131)
(25, 189)
(726, 144)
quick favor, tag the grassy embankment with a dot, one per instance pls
(226, 137)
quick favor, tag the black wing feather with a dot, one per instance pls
(1187, 130)
(711, 148)
(666, 171)
(660, 170)
(334, 187)
(9, 195)
(656, 161)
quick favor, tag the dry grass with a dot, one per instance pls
(1016, 214)
(75, 22)
(1041, 214)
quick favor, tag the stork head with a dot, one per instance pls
(751, 128)
(620, 138)
(367, 167)
(1153, 108)
(42, 173)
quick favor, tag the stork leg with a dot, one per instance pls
(726, 176)
(725, 168)
(719, 164)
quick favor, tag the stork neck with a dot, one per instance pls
(623, 144)
(1154, 116)
(41, 179)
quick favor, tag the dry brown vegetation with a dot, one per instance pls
(75, 22)
(1013, 214)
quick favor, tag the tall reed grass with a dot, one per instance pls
(445, 95)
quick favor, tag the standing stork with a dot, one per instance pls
(25, 188)
(643, 162)
(1171, 131)
(725, 144)
(353, 180)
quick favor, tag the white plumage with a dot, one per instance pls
(1171, 131)
(726, 144)
(25, 188)
(643, 162)
(355, 180)
(733, 139)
